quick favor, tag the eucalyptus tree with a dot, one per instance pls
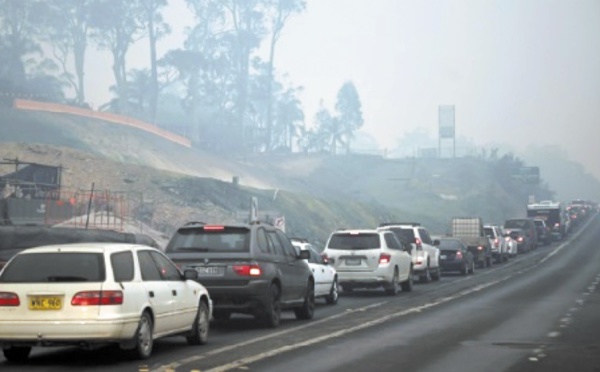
(67, 29)
(157, 28)
(327, 133)
(116, 25)
(349, 118)
(278, 13)
(18, 41)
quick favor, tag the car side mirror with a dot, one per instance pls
(190, 274)
(304, 254)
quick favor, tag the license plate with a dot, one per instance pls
(45, 303)
(352, 261)
(210, 271)
(443, 256)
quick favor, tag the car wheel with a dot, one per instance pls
(437, 274)
(426, 276)
(392, 287)
(332, 298)
(272, 313)
(407, 285)
(221, 315)
(143, 339)
(17, 354)
(199, 334)
(307, 311)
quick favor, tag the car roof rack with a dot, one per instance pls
(301, 240)
(193, 223)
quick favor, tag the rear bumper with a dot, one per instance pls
(67, 332)
(244, 299)
(372, 278)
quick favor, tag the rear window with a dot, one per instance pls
(449, 245)
(55, 267)
(226, 239)
(519, 224)
(354, 241)
(406, 236)
(489, 232)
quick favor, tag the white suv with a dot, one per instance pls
(369, 258)
(425, 256)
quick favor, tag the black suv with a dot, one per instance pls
(247, 268)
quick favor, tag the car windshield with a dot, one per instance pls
(54, 267)
(354, 241)
(227, 239)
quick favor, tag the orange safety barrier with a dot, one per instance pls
(23, 104)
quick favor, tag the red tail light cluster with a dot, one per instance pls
(324, 257)
(247, 270)
(418, 242)
(97, 298)
(458, 254)
(520, 239)
(9, 299)
(480, 248)
(385, 258)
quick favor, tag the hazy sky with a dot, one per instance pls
(520, 72)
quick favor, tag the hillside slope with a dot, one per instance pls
(315, 192)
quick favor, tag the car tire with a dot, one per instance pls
(407, 285)
(465, 270)
(17, 354)
(426, 276)
(437, 274)
(272, 312)
(472, 271)
(307, 310)
(332, 297)
(392, 288)
(199, 333)
(143, 338)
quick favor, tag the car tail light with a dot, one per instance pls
(95, 298)
(418, 243)
(9, 299)
(324, 257)
(496, 242)
(458, 255)
(385, 258)
(247, 270)
(520, 239)
(557, 224)
(214, 227)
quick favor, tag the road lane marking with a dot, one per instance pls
(195, 358)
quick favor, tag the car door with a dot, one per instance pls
(183, 305)
(158, 291)
(400, 257)
(297, 268)
(322, 276)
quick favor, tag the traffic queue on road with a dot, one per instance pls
(128, 294)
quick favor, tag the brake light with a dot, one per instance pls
(480, 248)
(214, 227)
(458, 254)
(9, 299)
(97, 298)
(385, 258)
(496, 242)
(324, 257)
(247, 270)
(557, 224)
(418, 243)
(520, 239)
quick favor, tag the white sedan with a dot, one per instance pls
(326, 284)
(98, 293)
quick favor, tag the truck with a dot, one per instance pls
(553, 214)
(470, 230)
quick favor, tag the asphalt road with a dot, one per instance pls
(537, 312)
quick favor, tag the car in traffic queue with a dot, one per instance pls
(248, 268)
(370, 258)
(511, 245)
(543, 231)
(90, 294)
(425, 256)
(455, 256)
(499, 245)
(520, 238)
(529, 231)
(326, 281)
